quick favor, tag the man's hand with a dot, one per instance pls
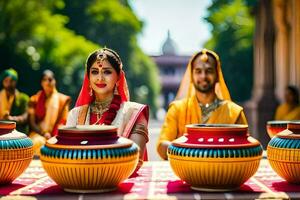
(164, 146)
(6, 115)
(47, 135)
(11, 118)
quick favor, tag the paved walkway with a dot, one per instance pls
(154, 130)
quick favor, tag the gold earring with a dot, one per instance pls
(116, 90)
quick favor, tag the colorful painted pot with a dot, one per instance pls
(283, 153)
(16, 152)
(89, 159)
(274, 127)
(215, 157)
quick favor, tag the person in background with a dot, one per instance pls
(290, 109)
(202, 98)
(47, 110)
(13, 103)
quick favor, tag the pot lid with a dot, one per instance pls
(216, 136)
(88, 137)
(278, 122)
(6, 126)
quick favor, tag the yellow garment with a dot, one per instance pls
(287, 112)
(5, 104)
(187, 111)
(47, 124)
(52, 113)
(56, 112)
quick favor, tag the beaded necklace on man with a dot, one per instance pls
(207, 109)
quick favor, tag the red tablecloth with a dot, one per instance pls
(155, 181)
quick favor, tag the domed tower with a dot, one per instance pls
(171, 69)
(169, 47)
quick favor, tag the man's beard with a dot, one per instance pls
(10, 89)
(209, 88)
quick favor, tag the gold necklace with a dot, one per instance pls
(99, 107)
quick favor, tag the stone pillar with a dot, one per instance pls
(262, 104)
(295, 43)
(282, 47)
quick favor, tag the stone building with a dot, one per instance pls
(276, 60)
(171, 69)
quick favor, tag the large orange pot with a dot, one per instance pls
(89, 159)
(16, 152)
(215, 157)
(283, 153)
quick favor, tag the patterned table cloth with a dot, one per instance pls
(155, 181)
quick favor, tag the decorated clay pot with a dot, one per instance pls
(16, 152)
(89, 159)
(215, 157)
(283, 153)
(274, 127)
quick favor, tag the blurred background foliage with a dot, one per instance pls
(232, 27)
(60, 34)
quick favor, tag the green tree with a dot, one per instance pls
(144, 85)
(113, 24)
(37, 35)
(32, 39)
(232, 38)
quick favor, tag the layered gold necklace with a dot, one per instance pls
(99, 107)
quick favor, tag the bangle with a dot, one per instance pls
(43, 133)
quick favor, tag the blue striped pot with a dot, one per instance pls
(16, 152)
(89, 160)
(215, 157)
(283, 153)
